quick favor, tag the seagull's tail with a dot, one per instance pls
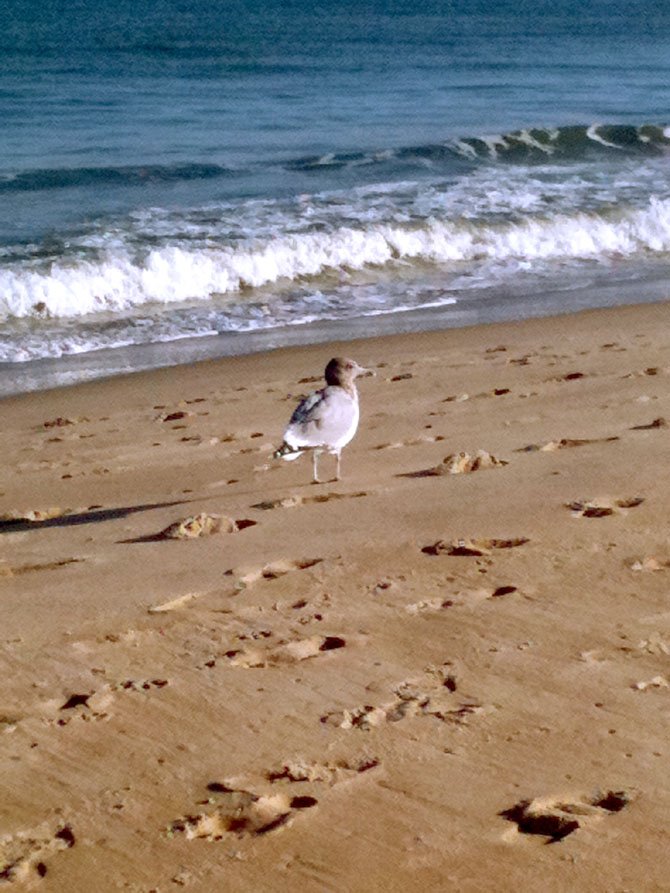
(288, 452)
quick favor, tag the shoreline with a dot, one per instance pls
(70, 370)
(365, 669)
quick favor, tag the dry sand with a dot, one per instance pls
(407, 680)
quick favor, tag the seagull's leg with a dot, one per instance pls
(337, 473)
(315, 472)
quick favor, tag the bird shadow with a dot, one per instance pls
(89, 517)
(424, 473)
(149, 538)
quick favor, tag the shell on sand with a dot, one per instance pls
(199, 525)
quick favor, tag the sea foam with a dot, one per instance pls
(120, 281)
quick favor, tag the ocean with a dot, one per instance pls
(180, 180)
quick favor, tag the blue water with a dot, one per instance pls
(243, 173)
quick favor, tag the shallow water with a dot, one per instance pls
(183, 180)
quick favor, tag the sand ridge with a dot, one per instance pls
(442, 672)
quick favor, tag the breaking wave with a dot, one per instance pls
(119, 280)
(572, 143)
(569, 143)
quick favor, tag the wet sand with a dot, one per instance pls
(407, 679)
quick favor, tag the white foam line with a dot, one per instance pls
(328, 317)
(592, 134)
(492, 142)
(465, 149)
(523, 136)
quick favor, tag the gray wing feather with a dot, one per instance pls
(305, 409)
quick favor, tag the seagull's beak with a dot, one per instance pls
(362, 372)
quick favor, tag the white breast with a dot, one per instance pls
(348, 434)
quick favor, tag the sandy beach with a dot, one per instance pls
(443, 672)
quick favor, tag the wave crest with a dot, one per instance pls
(572, 142)
(569, 143)
(119, 281)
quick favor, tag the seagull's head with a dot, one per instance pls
(341, 371)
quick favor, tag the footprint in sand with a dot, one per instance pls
(23, 854)
(35, 516)
(432, 698)
(175, 416)
(650, 684)
(496, 392)
(243, 814)
(310, 615)
(366, 717)
(429, 605)
(285, 652)
(195, 527)
(461, 599)
(294, 501)
(472, 547)
(553, 818)
(9, 721)
(175, 604)
(61, 422)
(413, 441)
(648, 564)
(139, 684)
(455, 398)
(8, 570)
(503, 590)
(239, 812)
(459, 463)
(93, 706)
(272, 571)
(650, 371)
(564, 443)
(329, 773)
(570, 376)
(234, 808)
(656, 423)
(585, 508)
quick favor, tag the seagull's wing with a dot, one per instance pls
(321, 419)
(306, 411)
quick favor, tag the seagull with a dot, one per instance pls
(326, 419)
